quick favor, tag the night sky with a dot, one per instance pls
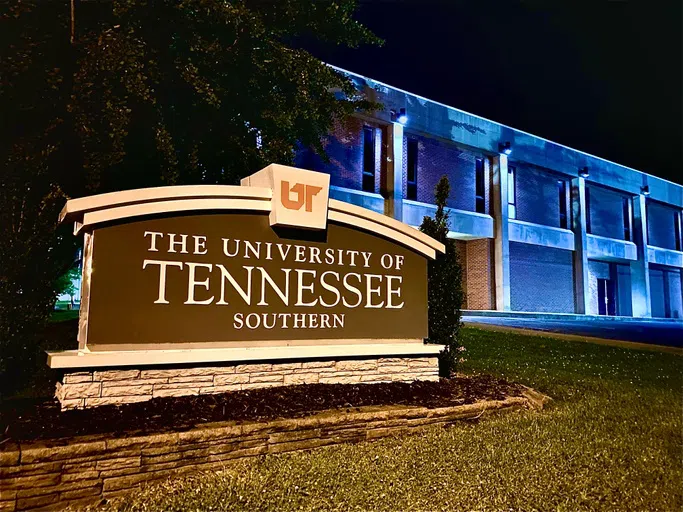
(602, 76)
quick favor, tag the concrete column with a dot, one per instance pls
(501, 257)
(393, 200)
(640, 269)
(579, 216)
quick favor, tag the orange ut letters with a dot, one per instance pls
(304, 194)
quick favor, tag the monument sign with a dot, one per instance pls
(226, 278)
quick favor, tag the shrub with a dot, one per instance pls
(33, 254)
(445, 294)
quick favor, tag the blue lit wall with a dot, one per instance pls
(344, 146)
(537, 195)
(624, 296)
(541, 276)
(606, 212)
(541, 279)
(450, 123)
(660, 225)
(435, 159)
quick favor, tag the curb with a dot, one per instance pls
(633, 345)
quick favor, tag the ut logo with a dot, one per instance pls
(304, 194)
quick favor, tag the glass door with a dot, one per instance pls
(606, 297)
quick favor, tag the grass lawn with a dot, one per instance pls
(611, 440)
(62, 315)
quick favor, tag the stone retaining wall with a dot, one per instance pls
(94, 388)
(83, 470)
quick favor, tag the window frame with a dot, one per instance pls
(588, 210)
(562, 198)
(627, 216)
(412, 153)
(369, 157)
(479, 186)
(512, 185)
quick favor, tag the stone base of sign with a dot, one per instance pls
(79, 471)
(106, 387)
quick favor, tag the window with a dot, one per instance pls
(678, 231)
(562, 196)
(368, 159)
(480, 188)
(512, 194)
(626, 208)
(588, 210)
(411, 192)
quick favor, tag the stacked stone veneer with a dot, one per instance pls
(119, 386)
(78, 471)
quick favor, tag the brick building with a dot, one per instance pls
(539, 226)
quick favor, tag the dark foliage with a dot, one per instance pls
(144, 93)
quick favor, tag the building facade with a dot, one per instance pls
(539, 227)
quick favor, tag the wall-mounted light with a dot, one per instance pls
(645, 190)
(583, 172)
(505, 147)
(399, 116)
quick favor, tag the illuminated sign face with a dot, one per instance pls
(230, 277)
(274, 261)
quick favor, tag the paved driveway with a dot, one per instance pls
(658, 333)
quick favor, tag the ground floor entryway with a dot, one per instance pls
(666, 296)
(609, 289)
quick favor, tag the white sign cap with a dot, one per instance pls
(300, 197)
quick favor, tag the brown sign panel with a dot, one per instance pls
(232, 278)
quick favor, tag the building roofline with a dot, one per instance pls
(342, 70)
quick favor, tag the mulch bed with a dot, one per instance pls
(34, 419)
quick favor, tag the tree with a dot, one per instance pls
(65, 283)
(205, 91)
(445, 293)
(33, 252)
(133, 93)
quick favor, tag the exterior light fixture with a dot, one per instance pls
(583, 172)
(645, 190)
(505, 147)
(399, 116)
